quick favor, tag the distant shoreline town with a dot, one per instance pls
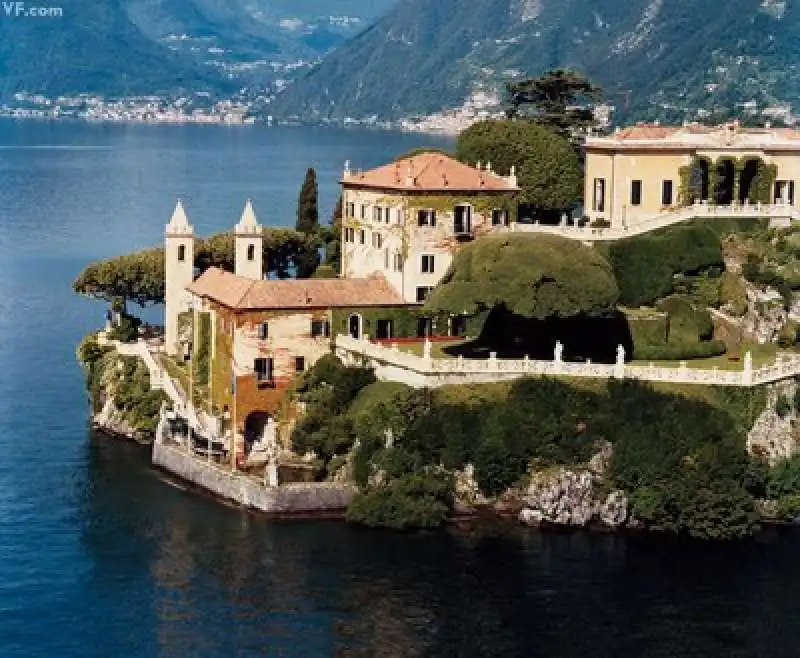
(200, 108)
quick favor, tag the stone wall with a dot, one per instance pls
(248, 491)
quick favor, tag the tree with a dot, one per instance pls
(548, 170)
(307, 207)
(421, 150)
(333, 239)
(559, 100)
(308, 223)
(139, 277)
(530, 276)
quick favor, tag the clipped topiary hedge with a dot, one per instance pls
(645, 265)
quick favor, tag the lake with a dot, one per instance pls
(101, 556)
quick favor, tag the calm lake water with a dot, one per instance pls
(99, 556)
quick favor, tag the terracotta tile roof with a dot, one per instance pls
(646, 132)
(244, 294)
(430, 172)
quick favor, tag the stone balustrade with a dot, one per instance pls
(392, 364)
(703, 210)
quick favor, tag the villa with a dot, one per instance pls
(407, 219)
(644, 171)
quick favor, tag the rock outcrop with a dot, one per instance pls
(773, 436)
(572, 498)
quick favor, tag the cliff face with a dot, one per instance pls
(122, 402)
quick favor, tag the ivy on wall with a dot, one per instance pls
(691, 183)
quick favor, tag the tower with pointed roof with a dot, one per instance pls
(249, 245)
(179, 274)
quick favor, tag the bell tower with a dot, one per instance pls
(249, 245)
(179, 274)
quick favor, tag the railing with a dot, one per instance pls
(392, 364)
(663, 220)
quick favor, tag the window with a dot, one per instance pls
(398, 262)
(383, 329)
(636, 193)
(299, 363)
(363, 211)
(251, 252)
(387, 214)
(351, 209)
(427, 264)
(458, 325)
(666, 193)
(422, 293)
(462, 220)
(426, 218)
(377, 214)
(263, 331)
(181, 253)
(349, 235)
(263, 369)
(377, 240)
(401, 216)
(599, 202)
(499, 217)
(424, 327)
(320, 328)
(362, 236)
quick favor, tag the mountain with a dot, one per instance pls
(129, 47)
(654, 58)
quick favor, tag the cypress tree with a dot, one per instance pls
(334, 240)
(307, 207)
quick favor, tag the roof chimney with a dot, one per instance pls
(347, 168)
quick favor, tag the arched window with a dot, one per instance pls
(182, 252)
(251, 252)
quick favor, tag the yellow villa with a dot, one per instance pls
(644, 171)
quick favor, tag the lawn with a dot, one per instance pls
(763, 355)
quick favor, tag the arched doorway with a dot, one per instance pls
(355, 326)
(254, 426)
(726, 182)
(748, 180)
(699, 188)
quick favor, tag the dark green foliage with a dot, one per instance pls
(782, 406)
(532, 276)
(784, 478)
(418, 500)
(333, 241)
(127, 331)
(559, 101)
(683, 463)
(307, 208)
(133, 396)
(139, 277)
(328, 388)
(202, 356)
(681, 460)
(547, 168)
(308, 223)
(91, 356)
(645, 265)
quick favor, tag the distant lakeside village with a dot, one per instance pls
(455, 350)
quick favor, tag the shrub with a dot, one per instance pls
(420, 500)
(600, 223)
(733, 293)
(788, 507)
(784, 479)
(645, 265)
(782, 406)
(679, 351)
(127, 331)
(787, 336)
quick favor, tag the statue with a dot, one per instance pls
(270, 440)
(559, 351)
(620, 355)
(426, 349)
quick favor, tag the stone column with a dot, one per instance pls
(747, 374)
